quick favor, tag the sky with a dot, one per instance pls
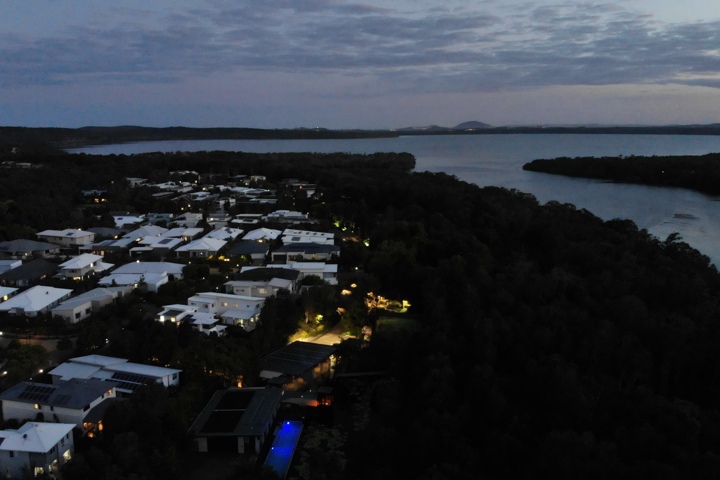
(358, 64)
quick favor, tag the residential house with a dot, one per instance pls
(188, 220)
(286, 216)
(128, 376)
(151, 274)
(290, 235)
(236, 420)
(145, 231)
(255, 251)
(218, 219)
(106, 232)
(67, 238)
(224, 233)
(262, 234)
(35, 301)
(66, 401)
(81, 307)
(156, 245)
(201, 248)
(263, 282)
(305, 252)
(23, 249)
(36, 448)
(238, 310)
(28, 273)
(123, 219)
(83, 265)
(326, 271)
(186, 234)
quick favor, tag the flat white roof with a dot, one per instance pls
(69, 370)
(35, 298)
(98, 360)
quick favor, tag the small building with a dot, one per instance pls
(202, 248)
(262, 234)
(236, 420)
(325, 271)
(36, 448)
(224, 233)
(35, 301)
(123, 219)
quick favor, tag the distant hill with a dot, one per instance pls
(471, 125)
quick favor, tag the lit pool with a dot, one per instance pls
(283, 448)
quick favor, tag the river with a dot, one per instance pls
(498, 159)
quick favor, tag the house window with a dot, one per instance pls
(224, 304)
(12, 454)
(36, 406)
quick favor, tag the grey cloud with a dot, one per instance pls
(445, 50)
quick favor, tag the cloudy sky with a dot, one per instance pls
(358, 64)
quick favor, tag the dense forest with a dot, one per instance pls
(701, 173)
(551, 344)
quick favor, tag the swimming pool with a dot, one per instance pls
(283, 448)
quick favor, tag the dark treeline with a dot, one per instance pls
(78, 137)
(550, 343)
(701, 173)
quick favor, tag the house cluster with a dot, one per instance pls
(81, 391)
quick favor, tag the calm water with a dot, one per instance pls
(497, 160)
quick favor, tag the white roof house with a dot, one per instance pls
(169, 268)
(262, 234)
(35, 300)
(203, 247)
(6, 265)
(128, 375)
(36, 447)
(326, 271)
(224, 233)
(127, 219)
(146, 231)
(81, 307)
(185, 233)
(67, 238)
(232, 309)
(290, 235)
(82, 265)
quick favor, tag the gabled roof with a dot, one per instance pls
(225, 233)
(150, 267)
(179, 232)
(75, 393)
(36, 437)
(146, 231)
(81, 261)
(203, 245)
(68, 232)
(35, 299)
(26, 246)
(106, 232)
(262, 234)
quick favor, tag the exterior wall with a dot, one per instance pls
(75, 314)
(21, 411)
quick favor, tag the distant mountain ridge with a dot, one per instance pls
(471, 125)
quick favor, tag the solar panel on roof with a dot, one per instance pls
(36, 393)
